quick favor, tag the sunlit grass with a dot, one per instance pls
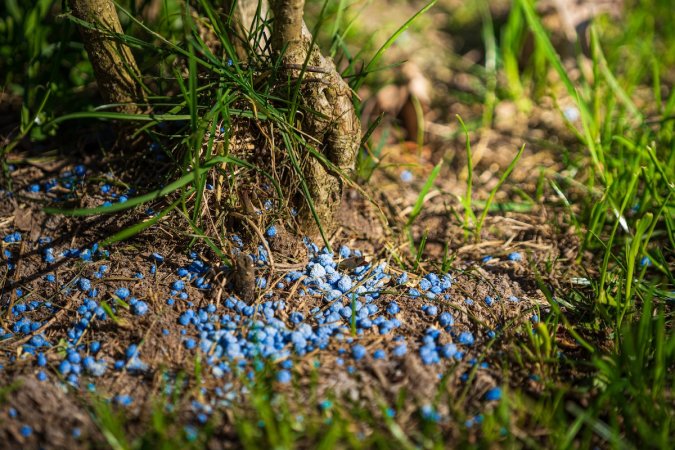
(620, 203)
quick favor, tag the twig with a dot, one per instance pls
(260, 235)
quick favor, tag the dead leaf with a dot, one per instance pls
(23, 218)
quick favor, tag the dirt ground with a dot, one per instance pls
(524, 245)
(54, 406)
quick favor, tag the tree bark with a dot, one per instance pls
(288, 24)
(114, 65)
(334, 124)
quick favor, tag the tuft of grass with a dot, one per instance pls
(226, 91)
(417, 209)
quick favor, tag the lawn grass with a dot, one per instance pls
(614, 389)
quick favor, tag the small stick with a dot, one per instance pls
(307, 68)
(260, 235)
(17, 270)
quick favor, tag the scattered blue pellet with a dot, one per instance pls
(515, 256)
(123, 400)
(358, 351)
(325, 405)
(80, 170)
(139, 308)
(74, 357)
(446, 319)
(466, 338)
(191, 433)
(84, 284)
(406, 176)
(131, 351)
(122, 293)
(380, 354)
(429, 413)
(400, 350)
(283, 376)
(64, 367)
(493, 394)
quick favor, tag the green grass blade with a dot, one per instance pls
(611, 79)
(494, 191)
(633, 249)
(135, 201)
(428, 184)
(378, 54)
(133, 230)
(603, 297)
(305, 188)
(469, 215)
(549, 51)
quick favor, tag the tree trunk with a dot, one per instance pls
(288, 25)
(114, 65)
(335, 124)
